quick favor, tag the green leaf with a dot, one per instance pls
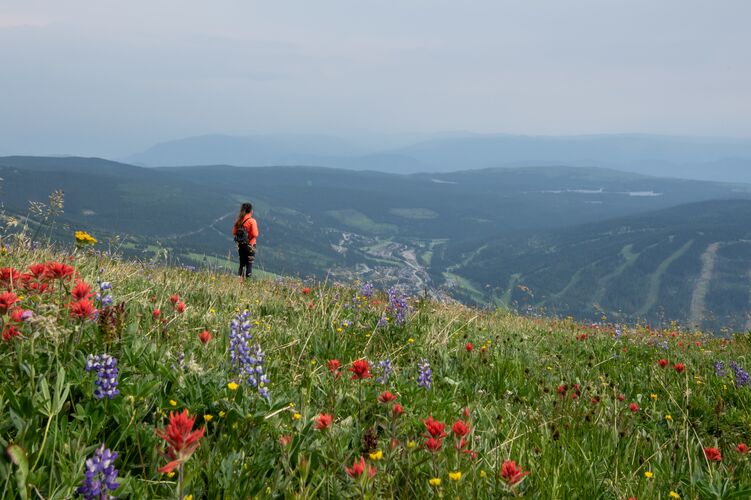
(17, 456)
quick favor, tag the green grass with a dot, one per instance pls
(414, 213)
(583, 442)
(361, 222)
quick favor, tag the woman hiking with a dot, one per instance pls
(245, 232)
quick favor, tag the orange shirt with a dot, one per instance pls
(251, 226)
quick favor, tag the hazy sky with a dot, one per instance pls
(113, 77)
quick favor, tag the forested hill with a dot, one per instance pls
(692, 261)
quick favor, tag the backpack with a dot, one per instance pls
(242, 236)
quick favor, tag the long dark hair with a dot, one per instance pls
(245, 209)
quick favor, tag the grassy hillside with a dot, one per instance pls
(690, 261)
(438, 232)
(580, 410)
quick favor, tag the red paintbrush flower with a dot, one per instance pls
(10, 332)
(435, 428)
(306, 290)
(83, 309)
(58, 271)
(9, 276)
(469, 347)
(742, 448)
(38, 270)
(7, 299)
(174, 299)
(81, 291)
(663, 363)
(633, 407)
(460, 429)
(398, 410)
(205, 336)
(323, 421)
(713, 454)
(386, 397)
(433, 444)
(180, 307)
(181, 439)
(360, 369)
(679, 367)
(358, 468)
(156, 313)
(561, 390)
(334, 365)
(512, 474)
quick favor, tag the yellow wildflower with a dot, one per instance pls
(435, 481)
(483, 474)
(208, 418)
(653, 396)
(188, 497)
(455, 476)
(376, 455)
(222, 414)
(411, 444)
(84, 238)
(668, 417)
(232, 386)
(170, 473)
(410, 340)
(172, 402)
(296, 416)
(674, 494)
(649, 474)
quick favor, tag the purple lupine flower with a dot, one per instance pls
(386, 371)
(382, 321)
(719, 368)
(367, 290)
(246, 360)
(618, 332)
(103, 297)
(425, 375)
(664, 345)
(106, 372)
(741, 376)
(398, 306)
(101, 475)
(181, 364)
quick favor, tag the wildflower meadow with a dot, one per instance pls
(122, 379)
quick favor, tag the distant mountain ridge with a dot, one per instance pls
(719, 159)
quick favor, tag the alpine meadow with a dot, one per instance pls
(375, 250)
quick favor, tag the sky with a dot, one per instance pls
(111, 78)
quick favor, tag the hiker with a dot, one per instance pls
(245, 232)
